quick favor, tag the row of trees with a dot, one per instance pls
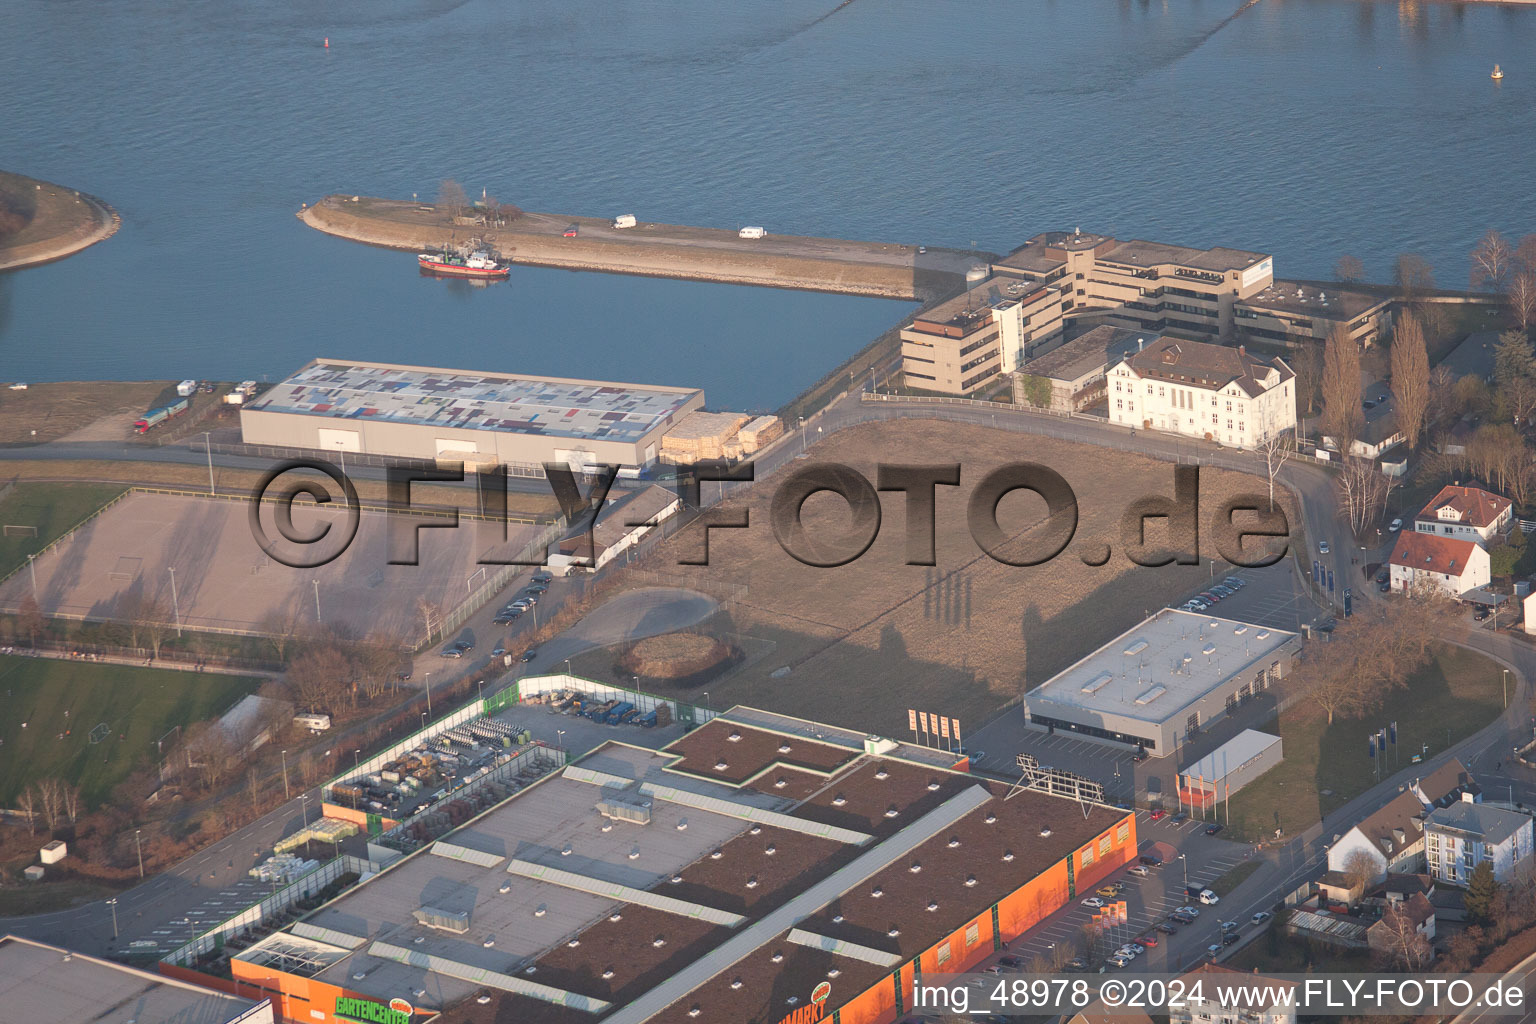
(1500, 266)
(1372, 653)
(53, 801)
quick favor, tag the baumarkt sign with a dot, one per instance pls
(369, 1012)
(811, 1013)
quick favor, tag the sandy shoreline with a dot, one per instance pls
(80, 224)
(884, 270)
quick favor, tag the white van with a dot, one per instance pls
(624, 220)
(751, 233)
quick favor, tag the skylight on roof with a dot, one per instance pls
(1151, 695)
(1097, 683)
(1136, 648)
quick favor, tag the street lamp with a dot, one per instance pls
(113, 904)
(304, 808)
(316, 583)
(1506, 687)
(207, 447)
(175, 604)
(1185, 864)
(285, 775)
(139, 843)
(356, 756)
(429, 693)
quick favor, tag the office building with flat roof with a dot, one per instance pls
(759, 870)
(43, 984)
(964, 342)
(478, 418)
(1293, 313)
(1163, 680)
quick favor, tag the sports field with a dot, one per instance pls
(49, 708)
(47, 508)
(196, 559)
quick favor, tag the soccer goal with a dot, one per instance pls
(20, 530)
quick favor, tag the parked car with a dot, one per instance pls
(1229, 926)
(1396, 524)
(1213, 950)
(538, 588)
(542, 577)
(1235, 582)
(1480, 614)
(1214, 828)
(1166, 928)
(571, 230)
(1182, 816)
(1093, 903)
(1385, 588)
(503, 619)
(1221, 590)
(1209, 898)
(520, 605)
(532, 598)
(1077, 963)
(1231, 938)
(1208, 596)
(1158, 815)
(529, 655)
(452, 651)
(1151, 862)
(1148, 941)
(1323, 547)
(1384, 575)
(1118, 961)
(1109, 892)
(1129, 951)
(1010, 961)
(1139, 756)
(1138, 870)
(1188, 911)
(1260, 917)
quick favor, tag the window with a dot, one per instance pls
(1087, 856)
(1119, 403)
(972, 934)
(1149, 389)
(1117, 385)
(1229, 405)
(941, 955)
(1104, 841)
(1240, 427)
(1123, 832)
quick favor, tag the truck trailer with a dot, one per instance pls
(160, 414)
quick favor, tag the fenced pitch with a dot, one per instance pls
(196, 559)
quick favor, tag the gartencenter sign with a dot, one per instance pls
(369, 1012)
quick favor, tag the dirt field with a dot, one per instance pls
(860, 644)
(223, 580)
(80, 410)
(40, 221)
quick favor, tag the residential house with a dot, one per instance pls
(1422, 561)
(1199, 390)
(1253, 998)
(1415, 912)
(1097, 1013)
(1393, 837)
(1460, 836)
(1466, 513)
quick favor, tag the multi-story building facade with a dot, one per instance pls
(1208, 391)
(1292, 314)
(1393, 837)
(993, 328)
(1142, 286)
(1253, 998)
(1459, 836)
(1466, 513)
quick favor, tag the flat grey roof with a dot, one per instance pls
(1160, 666)
(41, 984)
(1139, 252)
(533, 826)
(470, 400)
(1483, 821)
(1231, 755)
(1096, 350)
(1322, 303)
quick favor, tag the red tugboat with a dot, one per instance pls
(480, 263)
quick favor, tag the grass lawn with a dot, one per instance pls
(1279, 953)
(23, 900)
(45, 699)
(52, 508)
(1452, 697)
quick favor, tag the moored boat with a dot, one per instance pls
(479, 263)
(1497, 74)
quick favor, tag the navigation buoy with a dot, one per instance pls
(327, 42)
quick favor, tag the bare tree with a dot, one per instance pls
(1276, 450)
(1343, 416)
(51, 799)
(322, 677)
(70, 798)
(26, 803)
(1349, 270)
(451, 200)
(1410, 377)
(1413, 275)
(1362, 491)
(1441, 401)
(280, 626)
(211, 753)
(1307, 363)
(30, 619)
(1361, 868)
(1492, 258)
(1404, 947)
(1522, 297)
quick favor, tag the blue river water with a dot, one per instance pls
(1305, 128)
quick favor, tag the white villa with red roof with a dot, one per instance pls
(1466, 513)
(1426, 560)
(1210, 391)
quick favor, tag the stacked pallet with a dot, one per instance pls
(759, 433)
(701, 435)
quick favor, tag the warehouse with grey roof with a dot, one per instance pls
(482, 419)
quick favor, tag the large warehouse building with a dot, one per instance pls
(42, 984)
(759, 870)
(1163, 681)
(481, 419)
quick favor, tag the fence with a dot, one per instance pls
(536, 686)
(474, 709)
(495, 581)
(271, 906)
(525, 470)
(398, 837)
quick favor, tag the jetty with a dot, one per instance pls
(885, 270)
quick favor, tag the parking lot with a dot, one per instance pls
(1150, 899)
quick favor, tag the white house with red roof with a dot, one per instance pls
(1466, 513)
(1426, 560)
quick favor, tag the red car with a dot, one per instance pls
(1159, 814)
(570, 232)
(1146, 941)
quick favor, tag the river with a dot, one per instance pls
(1305, 128)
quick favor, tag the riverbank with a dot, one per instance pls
(41, 222)
(883, 270)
